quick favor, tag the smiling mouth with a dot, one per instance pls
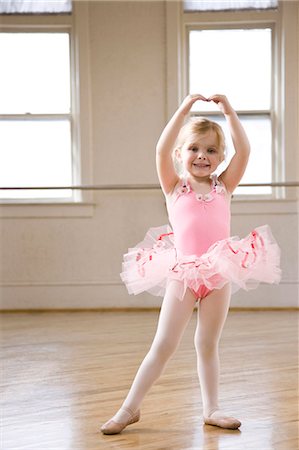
(201, 165)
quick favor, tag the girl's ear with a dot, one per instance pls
(177, 153)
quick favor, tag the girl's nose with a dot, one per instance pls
(201, 155)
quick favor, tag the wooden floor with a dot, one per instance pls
(66, 373)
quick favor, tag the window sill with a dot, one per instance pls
(47, 209)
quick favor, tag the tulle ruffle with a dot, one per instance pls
(246, 262)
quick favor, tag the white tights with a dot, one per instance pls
(173, 319)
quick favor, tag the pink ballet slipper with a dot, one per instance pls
(217, 419)
(112, 427)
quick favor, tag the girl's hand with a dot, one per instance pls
(189, 101)
(222, 103)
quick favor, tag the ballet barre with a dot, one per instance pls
(120, 187)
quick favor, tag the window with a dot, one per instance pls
(44, 118)
(237, 62)
(35, 113)
(228, 5)
(199, 37)
(48, 101)
(35, 6)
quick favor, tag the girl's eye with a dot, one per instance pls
(211, 150)
(193, 149)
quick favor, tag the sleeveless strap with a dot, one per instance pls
(215, 181)
(218, 185)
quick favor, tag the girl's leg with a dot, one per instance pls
(173, 319)
(212, 313)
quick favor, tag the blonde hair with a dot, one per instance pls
(200, 126)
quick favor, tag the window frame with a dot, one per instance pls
(241, 113)
(76, 25)
(283, 25)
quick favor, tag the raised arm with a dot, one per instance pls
(234, 172)
(166, 171)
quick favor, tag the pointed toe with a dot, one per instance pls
(112, 427)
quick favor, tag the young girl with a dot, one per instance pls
(196, 260)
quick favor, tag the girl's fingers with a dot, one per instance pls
(200, 97)
(215, 98)
(222, 103)
(190, 100)
(195, 97)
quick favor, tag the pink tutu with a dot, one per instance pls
(243, 262)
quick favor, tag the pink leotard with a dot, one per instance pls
(198, 221)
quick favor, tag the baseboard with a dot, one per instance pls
(103, 296)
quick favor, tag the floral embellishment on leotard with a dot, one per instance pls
(204, 197)
(184, 189)
(218, 186)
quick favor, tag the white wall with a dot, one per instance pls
(72, 260)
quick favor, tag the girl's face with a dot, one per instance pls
(200, 154)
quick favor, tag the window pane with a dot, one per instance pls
(35, 153)
(35, 73)
(35, 6)
(224, 5)
(259, 169)
(235, 62)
